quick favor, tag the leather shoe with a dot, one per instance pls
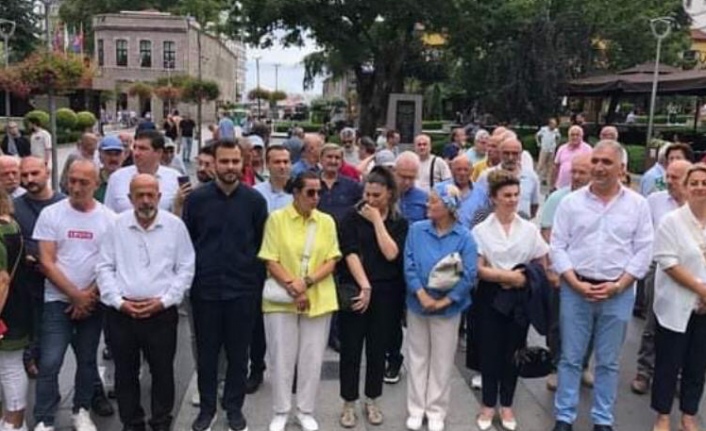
(253, 383)
(562, 426)
(101, 406)
(602, 428)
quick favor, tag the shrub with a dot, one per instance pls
(68, 136)
(432, 125)
(636, 158)
(308, 127)
(41, 115)
(85, 120)
(65, 119)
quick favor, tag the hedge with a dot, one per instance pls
(65, 119)
(433, 125)
(85, 120)
(41, 115)
(308, 127)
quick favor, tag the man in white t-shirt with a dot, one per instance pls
(432, 169)
(69, 234)
(40, 140)
(147, 152)
(547, 138)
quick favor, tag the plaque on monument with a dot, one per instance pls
(404, 114)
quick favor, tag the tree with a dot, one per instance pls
(259, 93)
(43, 72)
(196, 91)
(515, 62)
(25, 39)
(370, 39)
(141, 90)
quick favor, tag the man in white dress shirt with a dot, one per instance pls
(147, 152)
(146, 265)
(601, 243)
(661, 203)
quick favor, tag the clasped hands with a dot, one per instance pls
(297, 290)
(430, 304)
(142, 308)
(597, 292)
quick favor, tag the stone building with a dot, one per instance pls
(145, 46)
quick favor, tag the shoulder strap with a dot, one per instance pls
(308, 245)
(431, 172)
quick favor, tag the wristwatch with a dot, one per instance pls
(308, 281)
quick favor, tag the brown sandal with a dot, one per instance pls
(373, 413)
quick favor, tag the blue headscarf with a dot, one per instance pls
(450, 195)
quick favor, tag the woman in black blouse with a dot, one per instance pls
(371, 238)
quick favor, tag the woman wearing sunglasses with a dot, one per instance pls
(300, 248)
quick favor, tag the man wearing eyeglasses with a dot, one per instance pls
(14, 144)
(145, 267)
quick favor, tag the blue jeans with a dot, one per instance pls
(58, 331)
(607, 321)
(186, 144)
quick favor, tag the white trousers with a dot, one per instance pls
(13, 381)
(295, 342)
(431, 348)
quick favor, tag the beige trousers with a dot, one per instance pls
(295, 342)
(431, 348)
(545, 165)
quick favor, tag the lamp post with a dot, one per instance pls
(257, 68)
(661, 28)
(7, 29)
(51, 102)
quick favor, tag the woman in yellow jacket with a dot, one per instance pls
(297, 326)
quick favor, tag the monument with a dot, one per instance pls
(404, 114)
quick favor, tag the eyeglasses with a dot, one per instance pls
(312, 192)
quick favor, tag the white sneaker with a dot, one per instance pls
(4, 426)
(414, 423)
(435, 425)
(82, 421)
(477, 382)
(307, 422)
(196, 399)
(41, 427)
(279, 422)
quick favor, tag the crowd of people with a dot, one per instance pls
(277, 251)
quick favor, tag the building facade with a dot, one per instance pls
(146, 46)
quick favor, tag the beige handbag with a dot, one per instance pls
(275, 292)
(446, 272)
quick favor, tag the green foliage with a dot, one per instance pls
(277, 96)
(142, 90)
(432, 125)
(258, 93)
(45, 71)
(307, 127)
(41, 115)
(25, 39)
(85, 120)
(205, 90)
(68, 136)
(65, 119)
(636, 158)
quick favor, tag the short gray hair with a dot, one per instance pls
(408, 157)
(615, 146)
(481, 134)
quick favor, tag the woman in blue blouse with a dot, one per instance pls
(434, 313)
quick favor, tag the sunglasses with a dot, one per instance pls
(312, 192)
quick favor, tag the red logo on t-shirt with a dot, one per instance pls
(80, 234)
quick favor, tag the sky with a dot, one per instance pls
(291, 70)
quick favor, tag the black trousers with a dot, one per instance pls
(258, 344)
(500, 338)
(372, 329)
(394, 345)
(675, 352)
(156, 339)
(224, 324)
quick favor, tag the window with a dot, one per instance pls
(121, 52)
(169, 55)
(101, 53)
(145, 53)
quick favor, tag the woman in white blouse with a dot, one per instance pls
(504, 240)
(680, 306)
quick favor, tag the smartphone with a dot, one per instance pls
(184, 179)
(359, 206)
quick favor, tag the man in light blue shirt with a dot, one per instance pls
(653, 179)
(310, 155)
(226, 128)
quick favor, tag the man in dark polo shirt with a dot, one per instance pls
(226, 220)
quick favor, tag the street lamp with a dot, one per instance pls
(51, 102)
(7, 29)
(661, 28)
(257, 68)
